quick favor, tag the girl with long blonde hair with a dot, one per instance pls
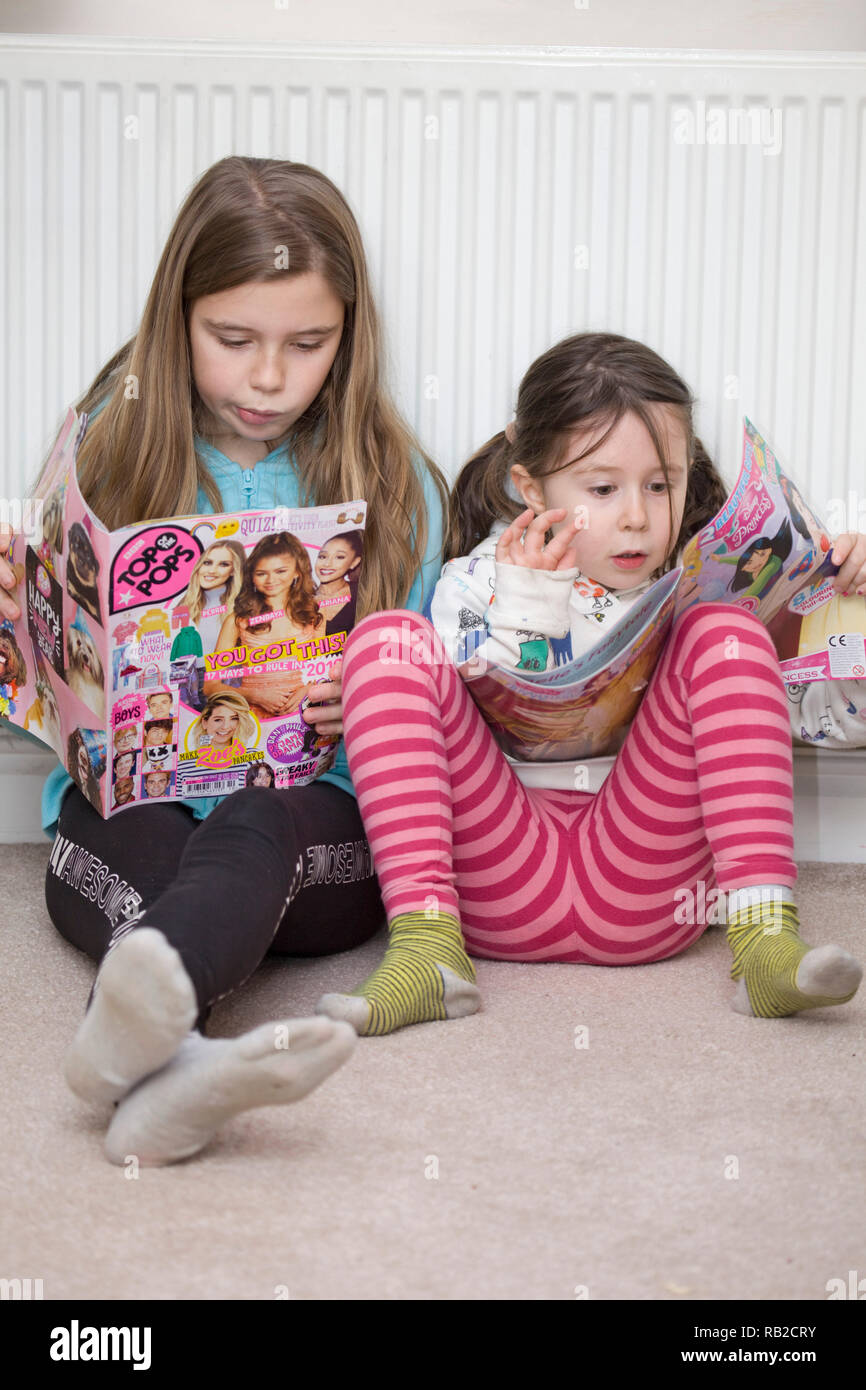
(257, 375)
(225, 718)
(220, 570)
(213, 587)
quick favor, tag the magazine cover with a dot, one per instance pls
(765, 551)
(176, 658)
(577, 710)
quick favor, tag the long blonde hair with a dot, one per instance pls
(138, 460)
(197, 732)
(195, 599)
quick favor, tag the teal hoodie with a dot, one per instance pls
(273, 482)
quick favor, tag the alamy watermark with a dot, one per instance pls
(20, 1290)
(23, 517)
(699, 904)
(846, 513)
(729, 125)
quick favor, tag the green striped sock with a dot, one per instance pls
(426, 975)
(781, 975)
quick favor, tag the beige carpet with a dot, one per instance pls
(686, 1153)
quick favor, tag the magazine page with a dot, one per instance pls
(176, 658)
(219, 629)
(767, 552)
(60, 642)
(577, 710)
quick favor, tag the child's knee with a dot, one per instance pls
(722, 627)
(390, 638)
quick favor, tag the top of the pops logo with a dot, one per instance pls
(153, 566)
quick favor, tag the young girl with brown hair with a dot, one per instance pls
(276, 602)
(559, 523)
(257, 376)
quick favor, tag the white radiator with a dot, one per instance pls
(712, 204)
(506, 197)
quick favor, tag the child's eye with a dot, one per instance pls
(603, 490)
(244, 342)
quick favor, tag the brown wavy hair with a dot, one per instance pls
(588, 380)
(302, 607)
(138, 459)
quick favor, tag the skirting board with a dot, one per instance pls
(829, 800)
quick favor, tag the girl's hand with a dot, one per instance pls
(270, 697)
(271, 703)
(849, 551)
(8, 581)
(325, 706)
(291, 702)
(523, 542)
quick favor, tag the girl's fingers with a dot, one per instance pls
(325, 719)
(569, 560)
(325, 692)
(523, 542)
(546, 519)
(564, 543)
(842, 546)
(849, 551)
(508, 547)
(533, 539)
(503, 548)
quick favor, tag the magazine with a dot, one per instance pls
(765, 551)
(175, 658)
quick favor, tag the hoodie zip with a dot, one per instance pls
(249, 486)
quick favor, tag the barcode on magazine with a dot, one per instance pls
(207, 786)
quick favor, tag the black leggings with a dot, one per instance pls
(268, 870)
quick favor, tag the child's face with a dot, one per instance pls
(623, 489)
(261, 353)
(159, 706)
(335, 559)
(262, 777)
(216, 568)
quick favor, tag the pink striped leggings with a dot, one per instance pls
(701, 789)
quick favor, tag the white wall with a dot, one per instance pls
(742, 24)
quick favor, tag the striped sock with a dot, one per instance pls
(779, 973)
(426, 975)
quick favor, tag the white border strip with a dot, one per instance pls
(550, 55)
